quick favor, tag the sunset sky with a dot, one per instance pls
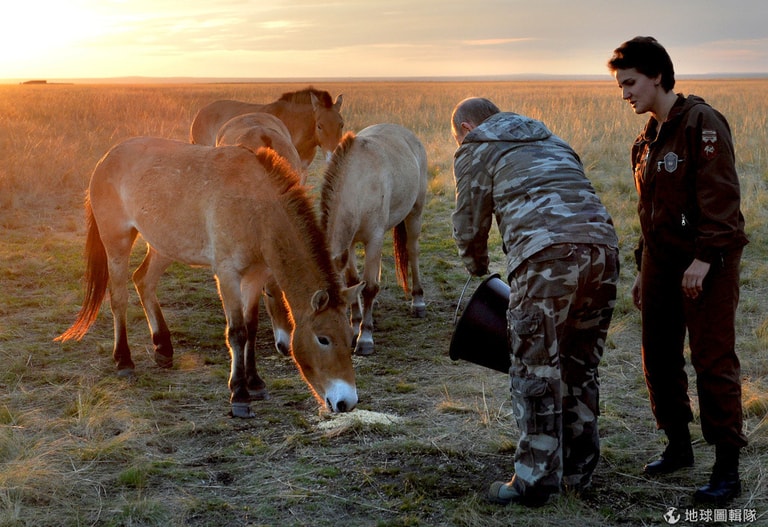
(305, 39)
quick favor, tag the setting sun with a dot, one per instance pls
(30, 31)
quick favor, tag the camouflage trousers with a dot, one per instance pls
(561, 304)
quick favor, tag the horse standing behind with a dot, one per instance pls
(245, 215)
(254, 130)
(310, 115)
(376, 181)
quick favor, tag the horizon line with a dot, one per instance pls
(429, 78)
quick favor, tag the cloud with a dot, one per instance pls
(495, 41)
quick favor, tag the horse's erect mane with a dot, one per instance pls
(298, 202)
(332, 177)
(305, 97)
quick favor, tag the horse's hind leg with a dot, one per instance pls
(145, 279)
(413, 231)
(237, 337)
(118, 250)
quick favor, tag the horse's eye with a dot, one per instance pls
(324, 341)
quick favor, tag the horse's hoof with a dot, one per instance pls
(164, 361)
(260, 394)
(242, 411)
(419, 311)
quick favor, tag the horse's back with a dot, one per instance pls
(211, 117)
(251, 120)
(397, 155)
(257, 129)
(174, 193)
(398, 145)
(382, 179)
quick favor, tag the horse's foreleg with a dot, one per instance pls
(145, 279)
(251, 288)
(277, 309)
(351, 277)
(237, 337)
(413, 231)
(371, 276)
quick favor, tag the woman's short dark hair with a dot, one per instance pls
(648, 57)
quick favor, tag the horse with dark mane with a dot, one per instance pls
(246, 216)
(312, 117)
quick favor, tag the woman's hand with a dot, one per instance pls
(693, 278)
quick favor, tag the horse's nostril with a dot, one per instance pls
(342, 406)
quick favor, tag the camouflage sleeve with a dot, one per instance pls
(473, 215)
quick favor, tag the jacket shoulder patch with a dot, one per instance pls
(709, 143)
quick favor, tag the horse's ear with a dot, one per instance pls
(337, 104)
(320, 300)
(351, 294)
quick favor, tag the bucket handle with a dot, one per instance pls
(461, 297)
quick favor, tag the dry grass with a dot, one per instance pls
(78, 446)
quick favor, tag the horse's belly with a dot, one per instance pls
(185, 246)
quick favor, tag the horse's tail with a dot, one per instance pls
(400, 245)
(96, 279)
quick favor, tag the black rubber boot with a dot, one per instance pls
(677, 455)
(724, 484)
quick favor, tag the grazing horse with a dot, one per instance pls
(310, 115)
(376, 181)
(254, 130)
(246, 216)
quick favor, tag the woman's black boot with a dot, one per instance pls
(724, 484)
(677, 455)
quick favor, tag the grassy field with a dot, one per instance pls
(80, 446)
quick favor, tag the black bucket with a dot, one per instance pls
(480, 336)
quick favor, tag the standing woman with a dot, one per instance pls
(688, 262)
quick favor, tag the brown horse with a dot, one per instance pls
(310, 115)
(245, 215)
(376, 181)
(254, 130)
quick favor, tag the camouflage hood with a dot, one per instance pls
(509, 127)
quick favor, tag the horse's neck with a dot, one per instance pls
(289, 256)
(300, 121)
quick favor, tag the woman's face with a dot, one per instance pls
(639, 90)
